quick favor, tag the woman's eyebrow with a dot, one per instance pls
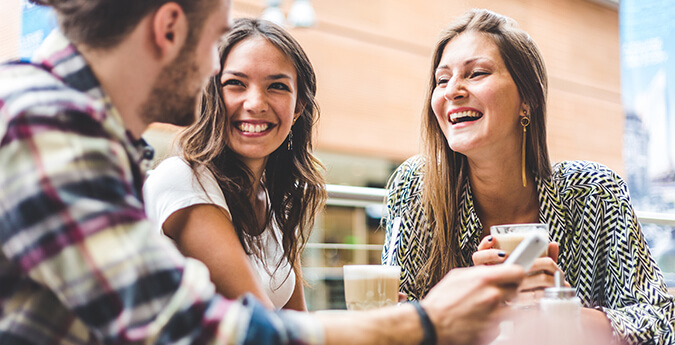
(278, 76)
(235, 73)
(466, 62)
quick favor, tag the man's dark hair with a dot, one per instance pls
(105, 23)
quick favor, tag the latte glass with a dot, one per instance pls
(508, 236)
(371, 286)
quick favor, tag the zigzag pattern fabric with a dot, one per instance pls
(602, 249)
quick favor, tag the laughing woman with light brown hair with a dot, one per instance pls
(486, 163)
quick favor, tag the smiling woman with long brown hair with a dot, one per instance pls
(242, 193)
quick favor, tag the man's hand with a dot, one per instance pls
(465, 306)
(539, 277)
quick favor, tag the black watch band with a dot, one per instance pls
(430, 337)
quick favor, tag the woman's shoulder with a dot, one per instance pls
(411, 169)
(587, 176)
(170, 163)
(168, 170)
(176, 168)
(175, 177)
(405, 184)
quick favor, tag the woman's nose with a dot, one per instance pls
(455, 89)
(256, 100)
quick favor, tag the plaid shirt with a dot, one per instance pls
(79, 261)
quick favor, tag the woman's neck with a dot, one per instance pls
(498, 193)
(257, 168)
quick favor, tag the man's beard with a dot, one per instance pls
(173, 98)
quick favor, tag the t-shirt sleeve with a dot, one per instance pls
(173, 186)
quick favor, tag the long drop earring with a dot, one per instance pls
(524, 121)
(290, 140)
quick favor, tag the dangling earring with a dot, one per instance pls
(290, 140)
(524, 121)
(290, 135)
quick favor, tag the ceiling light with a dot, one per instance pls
(273, 13)
(302, 14)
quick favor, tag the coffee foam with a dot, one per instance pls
(371, 271)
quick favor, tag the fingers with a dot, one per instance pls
(488, 257)
(506, 278)
(545, 264)
(538, 281)
(402, 297)
(553, 251)
(501, 275)
(541, 275)
(465, 303)
(487, 243)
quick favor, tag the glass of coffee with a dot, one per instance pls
(508, 236)
(371, 286)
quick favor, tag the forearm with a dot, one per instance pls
(596, 325)
(398, 325)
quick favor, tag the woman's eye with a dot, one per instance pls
(441, 81)
(475, 74)
(232, 82)
(279, 86)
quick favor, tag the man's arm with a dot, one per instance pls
(463, 307)
(73, 226)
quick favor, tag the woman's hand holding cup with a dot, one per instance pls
(541, 274)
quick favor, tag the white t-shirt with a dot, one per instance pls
(173, 186)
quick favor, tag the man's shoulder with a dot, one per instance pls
(32, 96)
(31, 89)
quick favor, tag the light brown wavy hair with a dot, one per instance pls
(446, 171)
(293, 178)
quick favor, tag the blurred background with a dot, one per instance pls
(372, 59)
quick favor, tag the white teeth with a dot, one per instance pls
(251, 128)
(466, 113)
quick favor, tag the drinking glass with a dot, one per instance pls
(371, 286)
(508, 236)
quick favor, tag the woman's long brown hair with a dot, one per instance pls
(293, 178)
(446, 171)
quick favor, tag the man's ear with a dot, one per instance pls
(170, 29)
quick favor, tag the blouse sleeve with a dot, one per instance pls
(409, 243)
(636, 300)
(173, 186)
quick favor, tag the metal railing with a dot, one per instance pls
(362, 196)
(351, 196)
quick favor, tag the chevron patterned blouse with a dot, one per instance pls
(602, 249)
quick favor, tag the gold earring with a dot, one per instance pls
(524, 121)
(290, 140)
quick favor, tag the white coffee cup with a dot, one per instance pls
(371, 286)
